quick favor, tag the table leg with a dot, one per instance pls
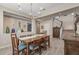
(49, 41)
(27, 49)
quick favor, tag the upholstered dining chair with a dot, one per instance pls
(38, 44)
(17, 48)
(35, 46)
(45, 42)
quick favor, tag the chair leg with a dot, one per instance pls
(13, 52)
(16, 52)
(25, 51)
(40, 50)
(45, 48)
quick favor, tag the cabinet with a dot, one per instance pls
(71, 47)
(56, 32)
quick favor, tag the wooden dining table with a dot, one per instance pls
(27, 40)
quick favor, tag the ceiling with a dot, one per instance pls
(38, 9)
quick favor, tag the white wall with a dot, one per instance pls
(77, 28)
(10, 21)
(33, 26)
(1, 27)
(56, 23)
(5, 41)
(47, 24)
(68, 22)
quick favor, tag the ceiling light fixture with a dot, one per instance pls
(72, 13)
(19, 6)
(41, 8)
(57, 17)
(31, 13)
(39, 12)
(19, 3)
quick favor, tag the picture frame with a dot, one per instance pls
(29, 27)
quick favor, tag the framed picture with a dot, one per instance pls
(29, 27)
(42, 27)
(19, 23)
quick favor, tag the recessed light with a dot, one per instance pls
(30, 13)
(39, 12)
(19, 8)
(72, 13)
(57, 17)
(41, 8)
(18, 3)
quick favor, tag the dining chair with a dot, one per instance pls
(16, 46)
(35, 46)
(44, 42)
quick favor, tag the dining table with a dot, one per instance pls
(28, 39)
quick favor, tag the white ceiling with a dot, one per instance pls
(49, 7)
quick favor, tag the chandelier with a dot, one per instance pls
(31, 13)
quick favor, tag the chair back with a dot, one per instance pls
(15, 41)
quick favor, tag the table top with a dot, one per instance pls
(32, 38)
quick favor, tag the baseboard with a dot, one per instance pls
(2, 47)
